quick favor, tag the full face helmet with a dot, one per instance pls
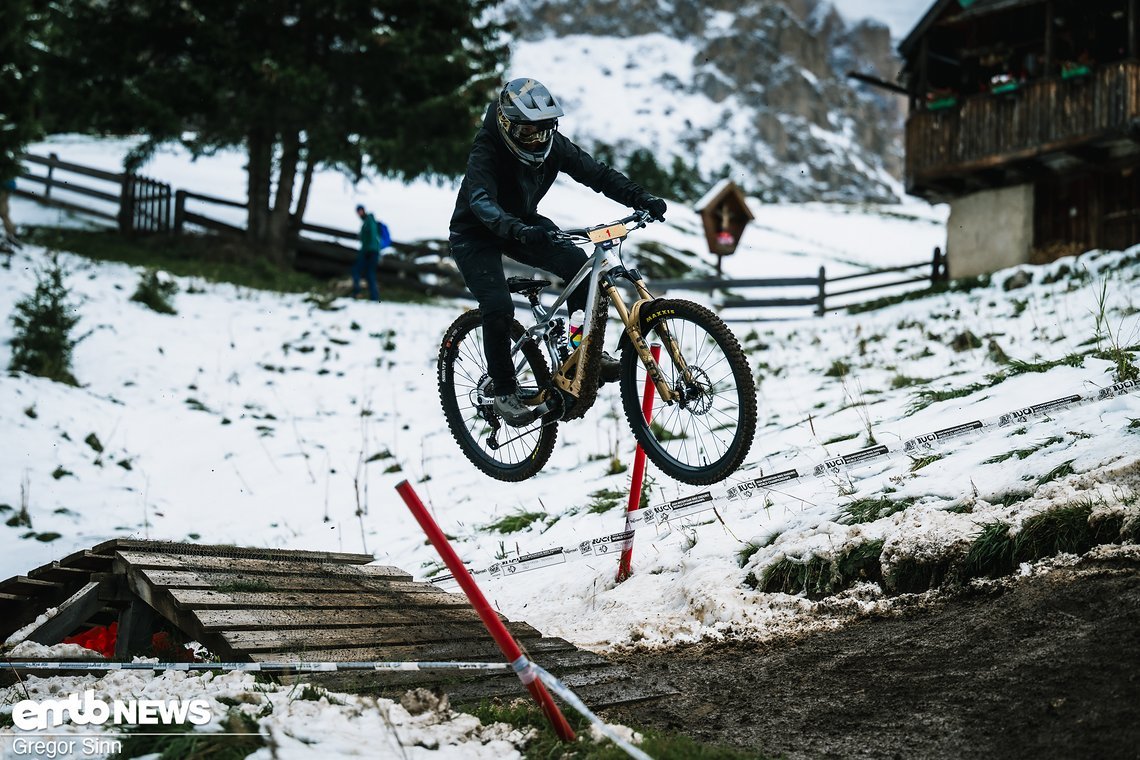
(528, 117)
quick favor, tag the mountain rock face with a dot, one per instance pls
(774, 75)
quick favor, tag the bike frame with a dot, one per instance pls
(602, 267)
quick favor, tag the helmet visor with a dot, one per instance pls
(533, 134)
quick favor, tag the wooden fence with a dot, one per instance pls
(133, 202)
(931, 272)
(142, 205)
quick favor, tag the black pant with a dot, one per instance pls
(480, 261)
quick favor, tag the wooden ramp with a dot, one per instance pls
(282, 605)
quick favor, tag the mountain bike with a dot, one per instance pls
(704, 415)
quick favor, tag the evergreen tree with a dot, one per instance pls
(18, 125)
(43, 343)
(392, 86)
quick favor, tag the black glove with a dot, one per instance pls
(654, 205)
(535, 236)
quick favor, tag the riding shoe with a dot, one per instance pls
(513, 411)
(611, 369)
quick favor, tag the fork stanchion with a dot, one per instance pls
(507, 645)
(638, 478)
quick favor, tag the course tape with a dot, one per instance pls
(257, 667)
(562, 691)
(672, 512)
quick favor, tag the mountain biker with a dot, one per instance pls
(516, 155)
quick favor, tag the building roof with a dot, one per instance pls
(967, 9)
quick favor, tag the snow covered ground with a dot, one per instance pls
(251, 418)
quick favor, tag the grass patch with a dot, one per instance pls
(917, 463)
(663, 435)
(838, 369)
(1062, 470)
(913, 576)
(513, 523)
(1063, 530)
(545, 744)
(178, 742)
(604, 500)
(869, 510)
(818, 577)
(1023, 453)
(904, 381)
(925, 398)
(840, 438)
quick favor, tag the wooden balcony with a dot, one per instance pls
(1041, 128)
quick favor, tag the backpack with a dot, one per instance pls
(385, 237)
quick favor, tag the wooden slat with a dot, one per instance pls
(333, 638)
(221, 550)
(21, 584)
(88, 560)
(193, 579)
(472, 650)
(302, 618)
(195, 562)
(59, 574)
(74, 612)
(208, 599)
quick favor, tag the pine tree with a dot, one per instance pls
(43, 343)
(390, 86)
(18, 125)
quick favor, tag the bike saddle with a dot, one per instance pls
(525, 285)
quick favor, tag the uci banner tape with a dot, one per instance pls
(675, 511)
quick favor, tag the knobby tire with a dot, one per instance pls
(705, 441)
(461, 365)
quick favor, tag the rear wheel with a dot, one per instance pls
(702, 437)
(501, 451)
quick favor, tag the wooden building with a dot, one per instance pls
(1025, 117)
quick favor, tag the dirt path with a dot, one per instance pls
(1040, 667)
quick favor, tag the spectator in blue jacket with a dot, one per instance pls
(374, 238)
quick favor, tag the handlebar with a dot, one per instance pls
(582, 234)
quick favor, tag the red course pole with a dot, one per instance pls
(507, 645)
(624, 569)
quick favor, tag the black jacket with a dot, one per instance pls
(500, 194)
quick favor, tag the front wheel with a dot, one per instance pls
(501, 451)
(704, 435)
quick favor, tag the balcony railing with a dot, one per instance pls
(1039, 117)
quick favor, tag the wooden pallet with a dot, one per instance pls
(276, 605)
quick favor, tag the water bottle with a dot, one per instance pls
(577, 319)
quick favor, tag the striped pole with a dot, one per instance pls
(495, 627)
(624, 569)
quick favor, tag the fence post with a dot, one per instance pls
(820, 308)
(179, 211)
(937, 266)
(127, 204)
(50, 171)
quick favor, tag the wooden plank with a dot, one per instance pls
(59, 574)
(311, 639)
(206, 564)
(87, 559)
(193, 579)
(52, 202)
(74, 612)
(76, 168)
(225, 550)
(752, 302)
(21, 584)
(472, 650)
(304, 618)
(209, 599)
(161, 601)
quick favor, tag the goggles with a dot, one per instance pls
(533, 133)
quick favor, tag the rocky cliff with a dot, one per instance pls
(779, 115)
